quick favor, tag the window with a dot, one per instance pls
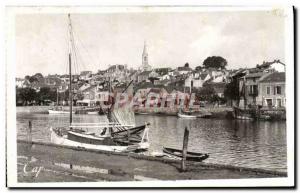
(279, 104)
(269, 102)
(268, 90)
(278, 89)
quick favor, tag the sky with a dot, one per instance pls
(243, 38)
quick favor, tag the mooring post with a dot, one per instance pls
(184, 149)
(29, 139)
(29, 132)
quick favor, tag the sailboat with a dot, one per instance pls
(243, 114)
(115, 135)
(57, 109)
(182, 114)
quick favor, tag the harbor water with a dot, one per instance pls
(255, 144)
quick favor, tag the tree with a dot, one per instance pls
(215, 62)
(231, 91)
(187, 65)
(46, 93)
(25, 95)
(27, 77)
(38, 76)
(206, 93)
(33, 79)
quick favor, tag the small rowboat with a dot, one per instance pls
(180, 115)
(191, 156)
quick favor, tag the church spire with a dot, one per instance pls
(145, 48)
(145, 65)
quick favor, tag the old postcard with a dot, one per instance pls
(124, 96)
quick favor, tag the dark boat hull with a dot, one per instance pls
(191, 156)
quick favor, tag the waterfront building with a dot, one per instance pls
(263, 85)
(248, 86)
(272, 90)
(93, 95)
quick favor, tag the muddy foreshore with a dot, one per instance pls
(61, 163)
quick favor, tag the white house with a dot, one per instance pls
(196, 80)
(275, 66)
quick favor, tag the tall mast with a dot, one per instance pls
(57, 97)
(70, 69)
(110, 101)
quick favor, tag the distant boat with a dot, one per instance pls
(191, 156)
(187, 115)
(93, 113)
(181, 115)
(243, 114)
(59, 111)
(244, 117)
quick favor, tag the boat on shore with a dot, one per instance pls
(191, 156)
(106, 140)
(118, 134)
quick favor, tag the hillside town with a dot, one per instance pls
(212, 84)
(204, 99)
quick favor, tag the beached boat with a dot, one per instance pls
(191, 156)
(103, 139)
(118, 134)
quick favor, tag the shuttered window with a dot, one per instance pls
(268, 90)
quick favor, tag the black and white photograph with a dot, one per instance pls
(149, 96)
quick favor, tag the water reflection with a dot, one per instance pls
(242, 143)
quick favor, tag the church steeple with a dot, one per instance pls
(145, 65)
(145, 49)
